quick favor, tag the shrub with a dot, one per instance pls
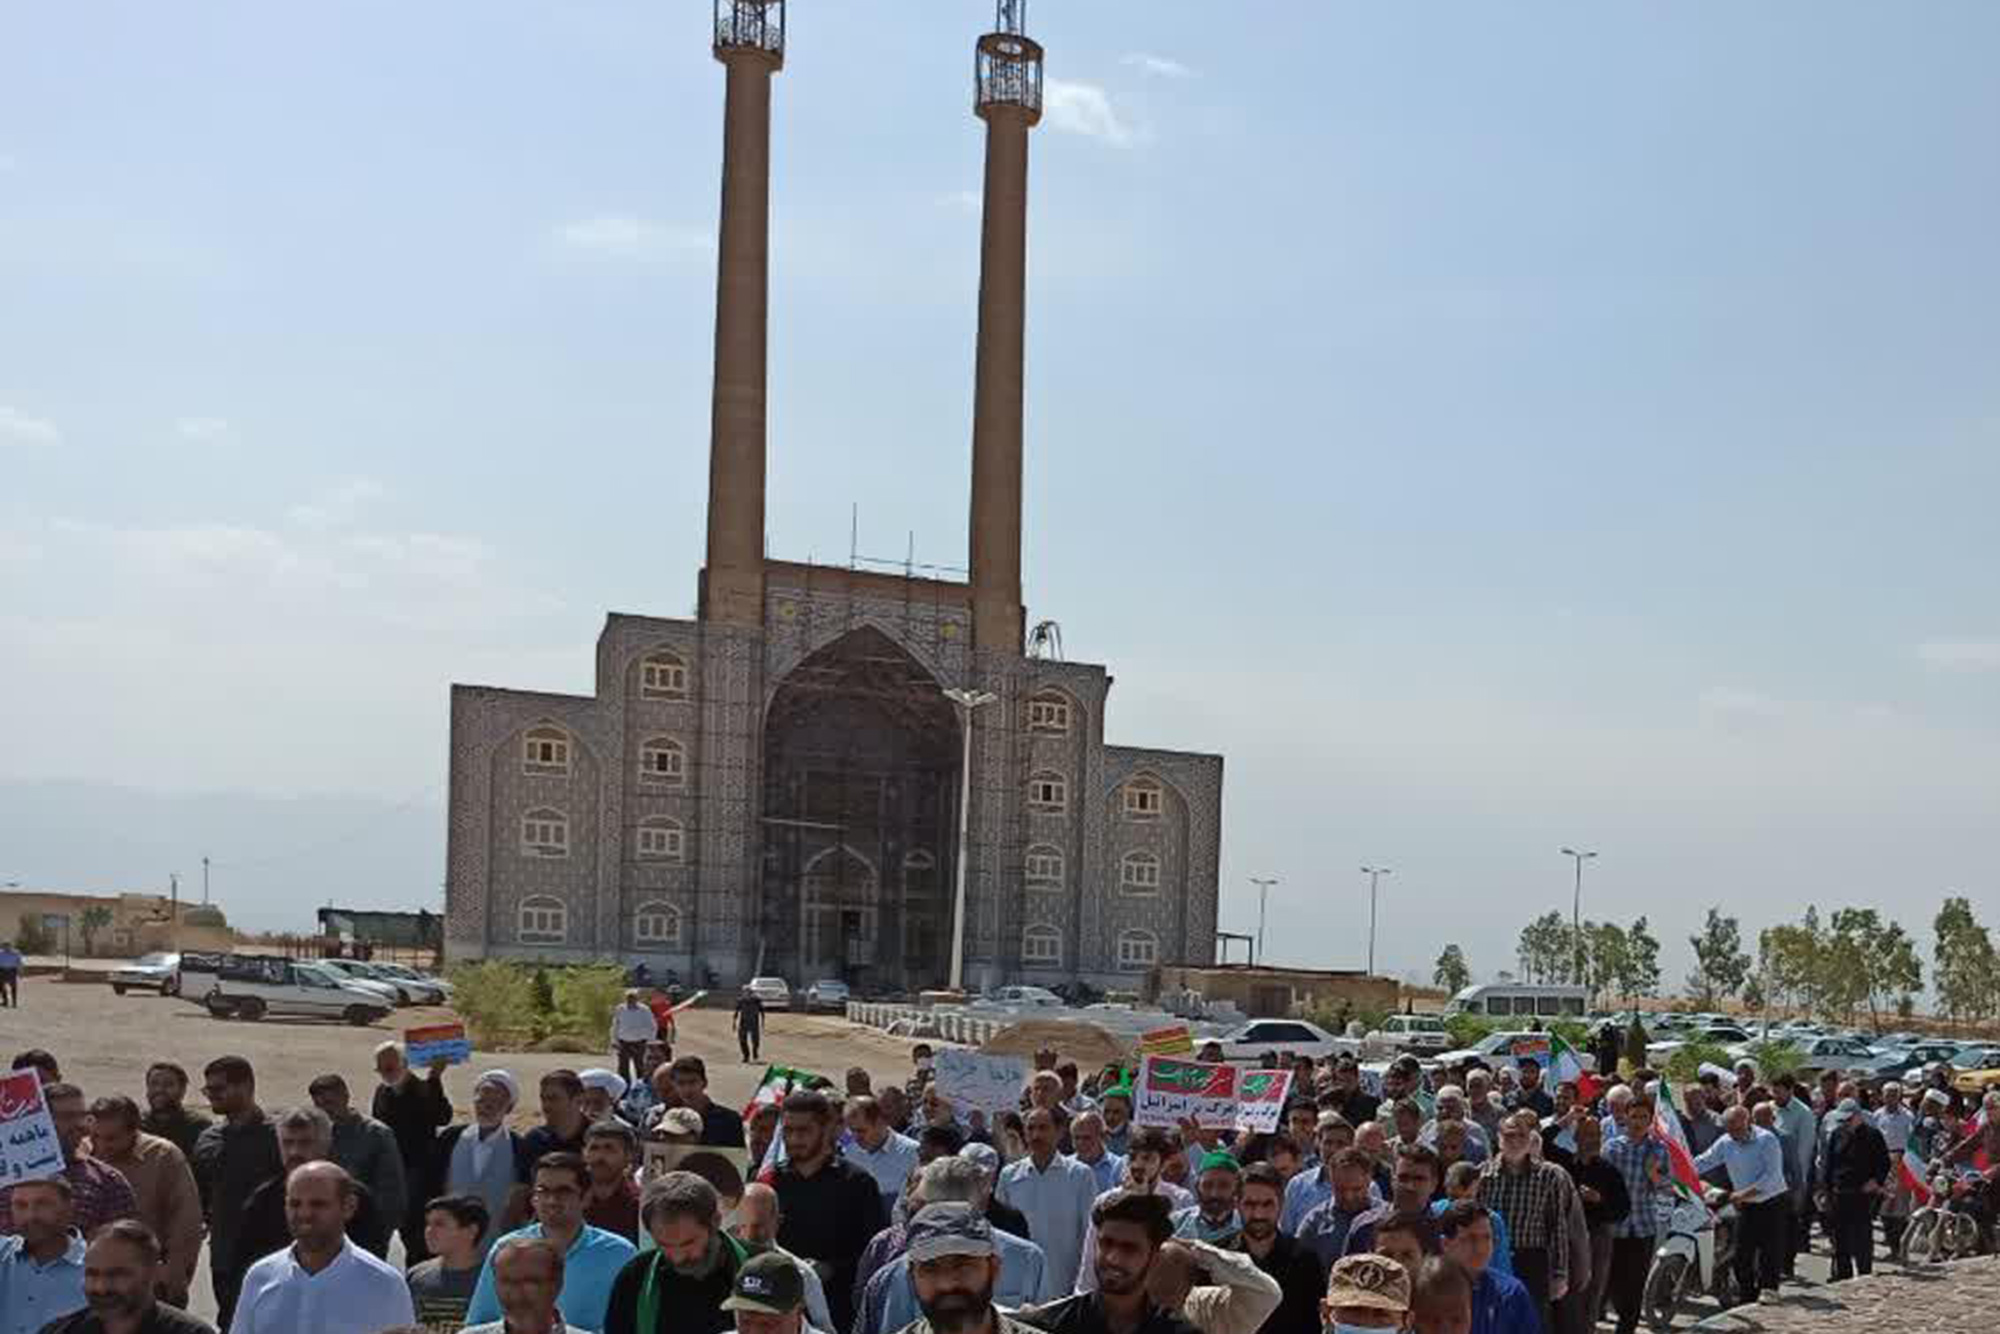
(1773, 1058)
(494, 999)
(1685, 1062)
(584, 999)
(1466, 1029)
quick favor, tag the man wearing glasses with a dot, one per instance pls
(592, 1257)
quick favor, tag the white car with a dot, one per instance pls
(775, 992)
(1730, 1036)
(827, 994)
(149, 972)
(1424, 1034)
(357, 974)
(1507, 1048)
(1024, 998)
(241, 987)
(1284, 1037)
(438, 989)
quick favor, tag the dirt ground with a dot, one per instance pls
(104, 1043)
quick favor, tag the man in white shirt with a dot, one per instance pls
(1055, 1193)
(321, 1283)
(633, 1025)
(879, 1149)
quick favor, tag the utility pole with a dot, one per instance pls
(1576, 911)
(1374, 874)
(1263, 898)
(966, 701)
(204, 881)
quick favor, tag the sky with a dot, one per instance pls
(1492, 428)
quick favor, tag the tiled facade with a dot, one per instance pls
(687, 898)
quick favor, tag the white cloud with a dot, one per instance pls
(18, 428)
(338, 504)
(201, 430)
(1085, 109)
(1961, 655)
(433, 555)
(619, 236)
(964, 201)
(1160, 66)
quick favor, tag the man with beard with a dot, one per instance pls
(484, 1158)
(1151, 1283)
(681, 1287)
(592, 1257)
(1355, 1103)
(1213, 1218)
(1416, 1182)
(119, 1273)
(41, 1268)
(322, 1283)
(1534, 1198)
(1151, 1149)
(612, 1202)
(366, 1148)
(767, 1297)
(414, 1110)
(169, 1203)
(831, 1208)
(233, 1157)
(305, 1135)
(1531, 1096)
(1324, 1229)
(1856, 1174)
(1291, 1267)
(563, 1122)
(1056, 1193)
(528, 1274)
(1308, 1190)
(954, 1267)
(890, 1300)
(1115, 1105)
(166, 1087)
(1086, 1133)
(100, 1193)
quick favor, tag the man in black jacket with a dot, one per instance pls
(305, 1135)
(1293, 1269)
(684, 1286)
(231, 1159)
(1857, 1178)
(831, 1208)
(414, 1110)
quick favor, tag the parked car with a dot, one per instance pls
(1720, 1035)
(149, 972)
(234, 986)
(1905, 1061)
(440, 988)
(775, 992)
(1978, 1069)
(1024, 998)
(1845, 1054)
(1263, 1037)
(410, 988)
(1424, 1034)
(1506, 1048)
(358, 974)
(827, 995)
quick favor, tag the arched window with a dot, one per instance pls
(919, 860)
(545, 751)
(1139, 873)
(663, 762)
(662, 676)
(1042, 945)
(1138, 950)
(657, 924)
(1044, 866)
(1048, 792)
(661, 840)
(543, 920)
(1144, 799)
(1048, 713)
(545, 833)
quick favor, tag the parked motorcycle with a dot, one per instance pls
(1956, 1222)
(1694, 1258)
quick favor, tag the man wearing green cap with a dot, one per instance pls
(1214, 1218)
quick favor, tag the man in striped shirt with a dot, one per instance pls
(1641, 1159)
(1533, 1196)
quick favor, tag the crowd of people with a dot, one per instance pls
(1474, 1200)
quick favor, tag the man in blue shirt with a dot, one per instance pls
(41, 1269)
(592, 1257)
(1755, 1161)
(1500, 1305)
(1087, 1134)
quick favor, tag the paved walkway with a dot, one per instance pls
(1929, 1299)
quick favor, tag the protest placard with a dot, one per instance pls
(1171, 1090)
(1173, 1040)
(990, 1084)
(1537, 1047)
(436, 1042)
(723, 1167)
(29, 1149)
(1260, 1099)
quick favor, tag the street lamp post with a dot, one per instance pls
(1576, 910)
(966, 701)
(1374, 874)
(1263, 898)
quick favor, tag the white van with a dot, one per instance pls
(1522, 1000)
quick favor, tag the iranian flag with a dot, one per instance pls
(1565, 1064)
(778, 1080)
(1680, 1158)
(1910, 1167)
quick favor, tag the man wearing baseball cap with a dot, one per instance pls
(955, 1265)
(769, 1296)
(1366, 1292)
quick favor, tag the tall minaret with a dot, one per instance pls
(1008, 97)
(750, 43)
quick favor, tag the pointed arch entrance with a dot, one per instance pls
(859, 818)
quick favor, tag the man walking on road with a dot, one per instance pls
(232, 1158)
(169, 1204)
(633, 1025)
(1755, 1161)
(749, 1023)
(1857, 1174)
(10, 975)
(166, 1115)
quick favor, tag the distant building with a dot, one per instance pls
(775, 784)
(1276, 993)
(134, 923)
(420, 930)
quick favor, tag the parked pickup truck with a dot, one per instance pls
(253, 986)
(1420, 1034)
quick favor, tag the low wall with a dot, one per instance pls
(951, 1025)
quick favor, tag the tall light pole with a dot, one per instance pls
(1263, 897)
(1576, 909)
(1374, 874)
(966, 701)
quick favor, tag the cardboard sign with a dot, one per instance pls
(436, 1042)
(990, 1084)
(29, 1149)
(1260, 1099)
(1171, 1090)
(1174, 1040)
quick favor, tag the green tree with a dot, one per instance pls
(1641, 975)
(1720, 963)
(94, 919)
(1870, 962)
(1604, 950)
(1964, 970)
(1793, 961)
(1544, 949)
(1452, 973)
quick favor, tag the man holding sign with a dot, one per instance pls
(414, 1110)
